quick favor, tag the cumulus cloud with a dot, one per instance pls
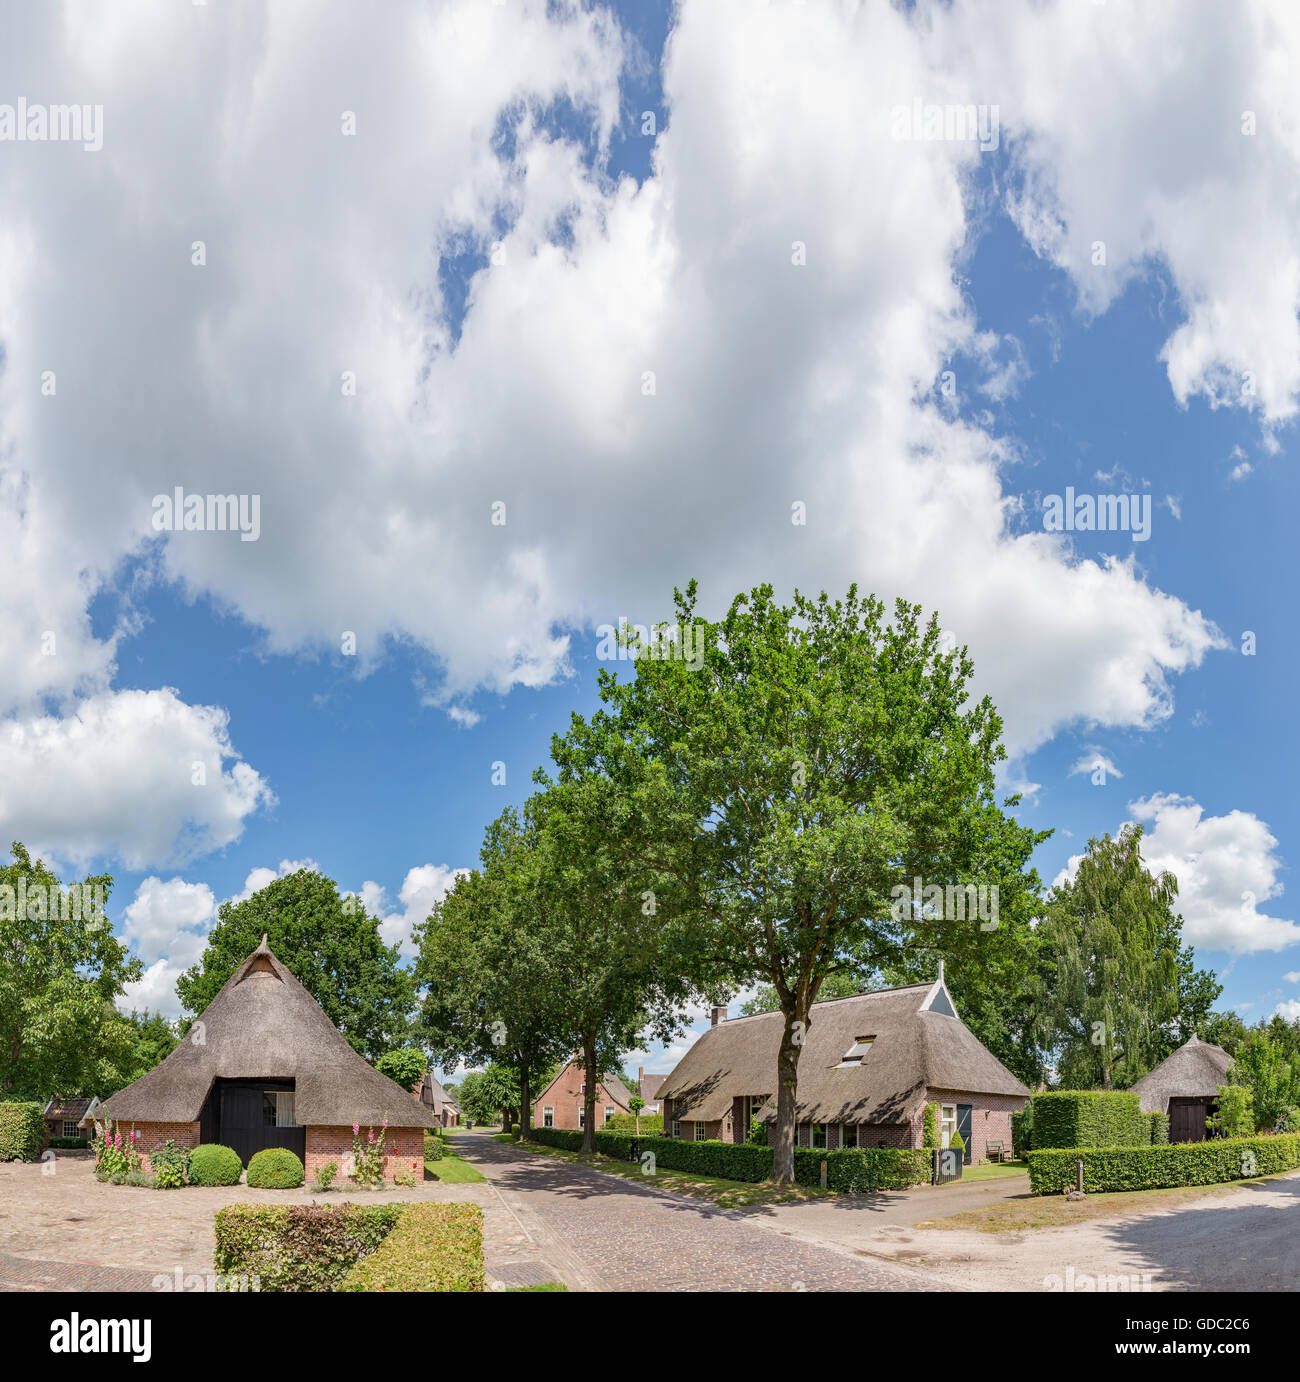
(259, 877)
(166, 924)
(1226, 866)
(421, 888)
(1093, 761)
(135, 775)
(626, 349)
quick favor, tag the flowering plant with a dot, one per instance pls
(368, 1155)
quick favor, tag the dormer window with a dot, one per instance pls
(854, 1055)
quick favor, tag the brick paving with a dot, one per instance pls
(28, 1274)
(629, 1237)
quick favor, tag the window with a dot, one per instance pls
(948, 1123)
(819, 1134)
(582, 1116)
(70, 1129)
(848, 1134)
(582, 1088)
(754, 1106)
(677, 1128)
(855, 1053)
(701, 1132)
(548, 1116)
(609, 1112)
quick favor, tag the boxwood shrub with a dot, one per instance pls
(299, 1247)
(275, 1168)
(1089, 1118)
(1153, 1168)
(22, 1132)
(213, 1164)
(432, 1247)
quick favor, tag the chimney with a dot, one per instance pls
(640, 1073)
(719, 1015)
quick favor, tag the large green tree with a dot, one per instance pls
(155, 1039)
(329, 943)
(794, 784)
(61, 968)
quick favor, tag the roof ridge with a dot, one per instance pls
(926, 984)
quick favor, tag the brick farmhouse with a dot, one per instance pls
(436, 1099)
(869, 1066)
(562, 1104)
(264, 1067)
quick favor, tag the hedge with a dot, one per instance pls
(211, 1163)
(1159, 1129)
(1022, 1130)
(73, 1144)
(275, 1168)
(433, 1247)
(22, 1132)
(1155, 1168)
(652, 1124)
(300, 1247)
(1089, 1118)
(848, 1169)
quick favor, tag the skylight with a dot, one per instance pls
(855, 1053)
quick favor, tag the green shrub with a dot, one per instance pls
(169, 1163)
(1089, 1118)
(434, 1148)
(563, 1138)
(956, 1142)
(930, 1126)
(72, 1144)
(1022, 1129)
(213, 1164)
(433, 1247)
(859, 1170)
(1288, 1120)
(514, 1129)
(22, 1132)
(1153, 1168)
(1234, 1116)
(652, 1124)
(275, 1168)
(325, 1176)
(300, 1247)
(139, 1178)
(1160, 1129)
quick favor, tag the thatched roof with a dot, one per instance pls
(648, 1086)
(1194, 1071)
(264, 1025)
(919, 1043)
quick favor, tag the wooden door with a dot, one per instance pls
(248, 1120)
(1187, 1120)
(963, 1127)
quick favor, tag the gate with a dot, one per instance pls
(246, 1118)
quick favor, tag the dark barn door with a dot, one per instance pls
(1187, 1119)
(963, 1127)
(247, 1118)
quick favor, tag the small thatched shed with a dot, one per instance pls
(264, 1067)
(1185, 1085)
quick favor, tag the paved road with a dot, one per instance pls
(618, 1235)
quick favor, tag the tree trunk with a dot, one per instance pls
(787, 1073)
(525, 1104)
(589, 1099)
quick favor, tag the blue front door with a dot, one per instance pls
(963, 1127)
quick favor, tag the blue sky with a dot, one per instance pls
(518, 381)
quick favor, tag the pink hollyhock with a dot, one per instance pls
(355, 1130)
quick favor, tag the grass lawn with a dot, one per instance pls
(729, 1194)
(545, 1286)
(453, 1169)
(995, 1170)
(1055, 1211)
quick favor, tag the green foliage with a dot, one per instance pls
(757, 1132)
(835, 985)
(368, 1155)
(299, 1247)
(275, 1168)
(956, 1142)
(22, 1131)
(71, 1143)
(1288, 1120)
(1263, 1065)
(405, 1066)
(330, 944)
(1234, 1115)
(60, 1032)
(1159, 1129)
(1150, 1168)
(326, 1176)
(154, 1038)
(1112, 986)
(514, 1129)
(1022, 1129)
(1089, 1118)
(651, 1123)
(930, 1126)
(434, 1147)
(213, 1164)
(433, 1247)
(170, 1163)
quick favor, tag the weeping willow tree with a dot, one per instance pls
(1110, 991)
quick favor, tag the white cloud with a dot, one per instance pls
(1288, 1011)
(811, 379)
(116, 778)
(421, 888)
(259, 877)
(1092, 761)
(1226, 867)
(1292, 976)
(166, 925)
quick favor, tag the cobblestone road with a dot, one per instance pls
(627, 1237)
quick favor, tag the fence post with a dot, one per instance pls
(1079, 1173)
(823, 1175)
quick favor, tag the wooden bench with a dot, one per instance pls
(997, 1151)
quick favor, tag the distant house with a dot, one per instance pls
(436, 1099)
(647, 1086)
(562, 1104)
(1185, 1085)
(869, 1066)
(70, 1117)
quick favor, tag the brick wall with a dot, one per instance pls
(566, 1098)
(990, 1117)
(403, 1150)
(153, 1136)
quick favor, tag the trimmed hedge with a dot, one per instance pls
(1022, 1130)
(22, 1132)
(1089, 1118)
(652, 1124)
(434, 1147)
(433, 1247)
(1154, 1168)
(73, 1144)
(211, 1163)
(848, 1169)
(1159, 1129)
(275, 1168)
(300, 1247)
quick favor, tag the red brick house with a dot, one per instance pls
(869, 1066)
(70, 1117)
(648, 1086)
(264, 1067)
(562, 1104)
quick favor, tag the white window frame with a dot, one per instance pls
(947, 1125)
(71, 1123)
(610, 1110)
(848, 1130)
(548, 1115)
(701, 1132)
(677, 1128)
(582, 1117)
